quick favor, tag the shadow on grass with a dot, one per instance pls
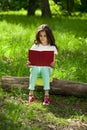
(79, 27)
(13, 117)
(7, 124)
(16, 115)
(68, 107)
(73, 64)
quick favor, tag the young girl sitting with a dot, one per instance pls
(44, 42)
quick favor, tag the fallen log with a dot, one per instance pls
(57, 86)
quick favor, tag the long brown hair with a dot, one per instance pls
(49, 34)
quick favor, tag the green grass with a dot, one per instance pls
(17, 32)
(17, 113)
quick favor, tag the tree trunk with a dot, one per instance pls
(84, 5)
(31, 7)
(45, 8)
(84, 2)
(70, 5)
(57, 86)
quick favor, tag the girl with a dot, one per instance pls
(44, 42)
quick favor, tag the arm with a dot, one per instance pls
(32, 48)
(28, 63)
(53, 63)
(55, 54)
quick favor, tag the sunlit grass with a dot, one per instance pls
(19, 12)
(17, 34)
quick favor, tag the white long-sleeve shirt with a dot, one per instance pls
(48, 47)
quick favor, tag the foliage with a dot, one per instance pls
(17, 4)
(13, 4)
(4, 5)
(84, 6)
(56, 6)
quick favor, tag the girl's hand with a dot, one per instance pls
(52, 64)
(28, 63)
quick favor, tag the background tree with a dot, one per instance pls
(45, 8)
(84, 5)
(13, 4)
(4, 5)
(70, 6)
(56, 1)
(67, 5)
(32, 5)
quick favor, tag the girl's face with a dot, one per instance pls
(43, 38)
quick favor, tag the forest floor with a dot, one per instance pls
(64, 112)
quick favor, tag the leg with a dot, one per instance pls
(47, 92)
(34, 71)
(33, 76)
(46, 73)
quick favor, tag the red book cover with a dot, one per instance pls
(41, 58)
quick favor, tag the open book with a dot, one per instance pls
(40, 58)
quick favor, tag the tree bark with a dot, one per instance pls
(31, 7)
(84, 2)
(70, 6)
(57, 86)
(45, 8)
(84, 5)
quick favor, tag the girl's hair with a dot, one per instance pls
(49, 34)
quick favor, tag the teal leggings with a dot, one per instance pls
(37, 71)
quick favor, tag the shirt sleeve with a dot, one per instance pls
(55, 50)
(34, 46)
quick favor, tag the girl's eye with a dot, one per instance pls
(42, 36)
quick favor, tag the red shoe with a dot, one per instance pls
(46, 100)
(31, 98)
